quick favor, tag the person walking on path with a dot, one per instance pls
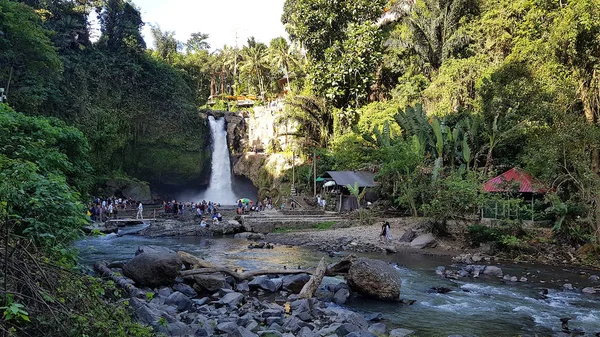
(386, 234)
(140, 214)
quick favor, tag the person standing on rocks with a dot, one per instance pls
(139, 214)
(386, 235)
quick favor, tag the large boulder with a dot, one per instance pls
(374, 278)
(264, 283)
(227, 227)
(423, 241)
(294, 283)
(210, 282)
(153, 269)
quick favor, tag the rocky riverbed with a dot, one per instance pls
(216, 304)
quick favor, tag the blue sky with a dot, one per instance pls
(220, 19)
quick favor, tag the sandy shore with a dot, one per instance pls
(364, 238)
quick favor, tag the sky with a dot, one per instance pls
(220, 19)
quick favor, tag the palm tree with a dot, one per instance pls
(255, 61)
(313, 119)
(282, 57)
(434, 31)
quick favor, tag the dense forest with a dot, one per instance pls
(436, 96)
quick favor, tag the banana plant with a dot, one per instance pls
(355, 192)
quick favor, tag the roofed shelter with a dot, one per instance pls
(364, 179)
(517, 182)
(343, 178)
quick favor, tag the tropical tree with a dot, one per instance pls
(356, 192)
(29, 64)
(281, 56)
(165, 44)
(312, 118)
(255, 62)
(434, 31)
(197, 42)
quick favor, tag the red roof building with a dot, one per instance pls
(514, 180)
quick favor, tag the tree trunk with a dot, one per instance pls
(205, 267)
(315, 281)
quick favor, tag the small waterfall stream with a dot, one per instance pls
(220, 188)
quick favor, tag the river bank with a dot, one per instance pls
(484, 306)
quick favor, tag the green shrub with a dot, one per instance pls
(479, 233)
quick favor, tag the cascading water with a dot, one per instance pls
(220, 189)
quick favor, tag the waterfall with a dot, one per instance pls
(220, 189)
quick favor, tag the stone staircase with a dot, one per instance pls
(274, 220)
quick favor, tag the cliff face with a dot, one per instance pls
(237, 133)
(266, 171)
(237, 129)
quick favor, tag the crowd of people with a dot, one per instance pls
(245, 206)
(108, 208)
(202, 210)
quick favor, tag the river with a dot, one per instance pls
(480, 307)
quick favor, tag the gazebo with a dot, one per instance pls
(515, 182)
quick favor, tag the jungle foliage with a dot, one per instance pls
(453, 93)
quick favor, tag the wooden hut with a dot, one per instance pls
(518, 184)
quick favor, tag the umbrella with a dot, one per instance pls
(329, 183)
(245, 201)
(319, 179)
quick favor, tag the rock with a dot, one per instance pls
(201, 301)
(374, 317)
(345, 329)
(210, 282)
(179, 300)
(439, 290)
(294, 283)
(154, 249)
(401, 332)
(292, 324)
(476, 257)
(341, 296)
(144, 313)
(361, 334)
(594, 278)
(270, 333)
(243, 332)
(440, 271)
(423, 241)
(242, 286)
(185, 289)
(227, 327)
(590, 290)
(249, 236)
(513, 279)
(523, 279)
(306, 332)
(408, 236)
(232, 299)
(493, 271)
(262, 282)
(567, 286)
(153, 269)
(374, 278)
(378, 328)
(165, 292)
(226, 227)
